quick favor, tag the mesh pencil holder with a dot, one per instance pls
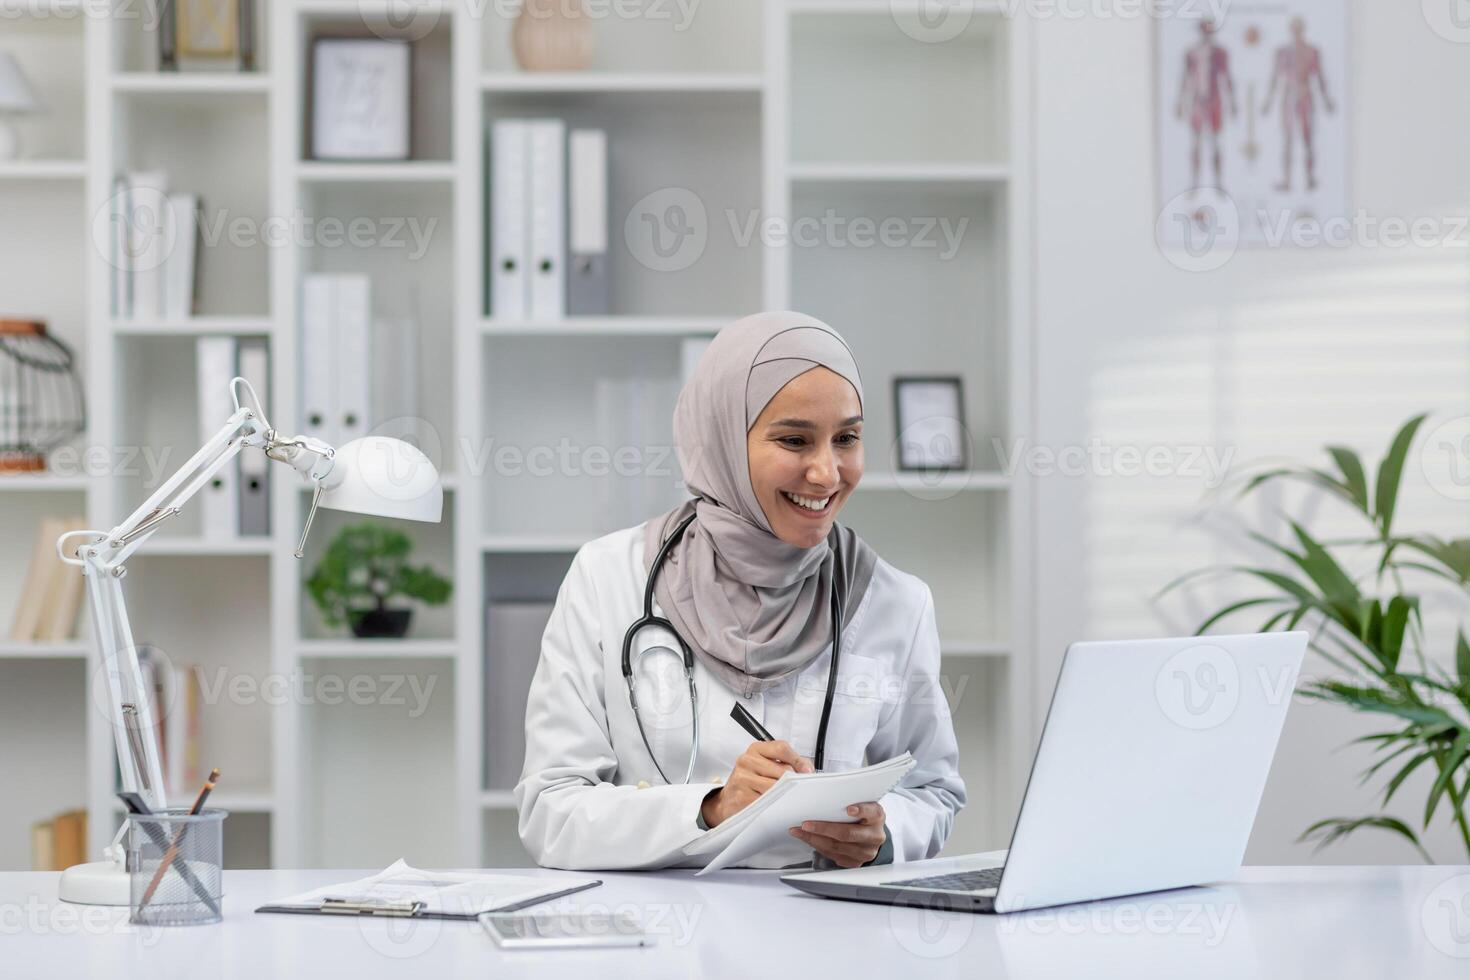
(175, 877)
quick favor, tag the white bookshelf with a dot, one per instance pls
(782, 108)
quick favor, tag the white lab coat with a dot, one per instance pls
(590, 798)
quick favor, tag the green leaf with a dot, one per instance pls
(1403, 774)
(1453, 556)
(1390, 474)
(1395, 621)
(1449, 764)
(1334, 829)
(1353, 476)
(1462, 660)
(1382, 702)
(1236, 607)
(1324, 569)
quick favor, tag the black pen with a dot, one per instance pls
(136, 806)
(747, 721)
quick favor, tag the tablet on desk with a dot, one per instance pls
(571, 930)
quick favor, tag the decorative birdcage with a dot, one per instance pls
(40, 396)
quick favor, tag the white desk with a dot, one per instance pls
(1337, 923)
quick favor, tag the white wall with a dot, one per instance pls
(1277, 353)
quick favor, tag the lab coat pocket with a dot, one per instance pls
(857, 708)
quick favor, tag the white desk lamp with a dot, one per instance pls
(16, 97)
(373, 475)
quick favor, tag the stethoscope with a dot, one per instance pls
(649, 619)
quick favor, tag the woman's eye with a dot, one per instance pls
(849, 439)
(795, 442)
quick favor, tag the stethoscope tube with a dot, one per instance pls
(648, 619)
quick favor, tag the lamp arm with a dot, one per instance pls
(101, 556)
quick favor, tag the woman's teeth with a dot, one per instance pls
(810, 503)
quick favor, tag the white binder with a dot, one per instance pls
(149, 231)
(120, 247)
(253, 364)
(509, 229)
(318, 396)
(548, 219)
(216, 366)
(588, 282)
(354, 357)
(179, 266)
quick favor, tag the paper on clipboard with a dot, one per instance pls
(796, 797)
(442, 893)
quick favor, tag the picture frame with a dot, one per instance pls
(206, 31)
(929, 424)
(361, 94)
(208, 28)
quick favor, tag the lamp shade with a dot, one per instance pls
(15, 91)
(384, 477)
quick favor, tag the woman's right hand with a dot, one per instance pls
(755, 772)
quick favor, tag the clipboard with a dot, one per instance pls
(415, 910)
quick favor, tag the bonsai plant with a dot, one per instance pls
(364, 567)
(1369, 628)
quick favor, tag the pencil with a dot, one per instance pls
(173, 849)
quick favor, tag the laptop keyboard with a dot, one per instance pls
(960, 881)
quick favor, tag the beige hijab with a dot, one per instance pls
(753, 608)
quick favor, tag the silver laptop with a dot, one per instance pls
(1151, 765)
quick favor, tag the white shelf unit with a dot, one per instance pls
(776, 109)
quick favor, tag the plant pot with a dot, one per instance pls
(378, 624)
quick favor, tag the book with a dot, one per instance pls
(67, 585)
(46, 611)
(29, 608)
(69, 833)
(43, 846)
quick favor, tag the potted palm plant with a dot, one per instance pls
(364, 567)
(1368, 626)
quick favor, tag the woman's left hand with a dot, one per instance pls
(851, 845)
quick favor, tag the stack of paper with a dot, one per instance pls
(796, 797)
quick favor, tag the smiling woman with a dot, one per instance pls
(750, 593)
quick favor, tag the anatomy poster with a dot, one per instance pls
(1252, 114)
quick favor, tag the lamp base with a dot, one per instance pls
(9, 139)
(97, 883)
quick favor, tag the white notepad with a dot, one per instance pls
(796, 797)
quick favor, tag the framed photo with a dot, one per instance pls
(929, 422)
(360, 98)
(206, 28)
